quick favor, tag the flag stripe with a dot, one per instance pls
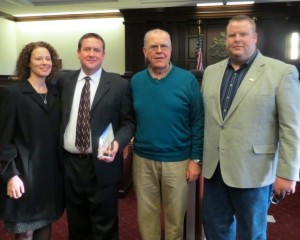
(200, 60)
(199, 53)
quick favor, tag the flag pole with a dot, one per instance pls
(199, 26)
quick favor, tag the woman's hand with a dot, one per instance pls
(15, 187)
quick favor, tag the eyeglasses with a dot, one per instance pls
(162, 47)
(276, 198)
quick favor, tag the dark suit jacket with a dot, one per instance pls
(29, 148)
(112, 104)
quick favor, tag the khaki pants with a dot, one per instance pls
(160, 185)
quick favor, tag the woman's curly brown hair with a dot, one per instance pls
(22, 65)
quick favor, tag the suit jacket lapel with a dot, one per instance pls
(26, 88)
(248, 82)
(103, 87)
(51, 96)
(70, 89)
(219, 77)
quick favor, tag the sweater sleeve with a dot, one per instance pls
(197, 121)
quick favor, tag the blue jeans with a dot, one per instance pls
(234, 213)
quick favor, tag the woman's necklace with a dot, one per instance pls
(39, 86)
(44, 97)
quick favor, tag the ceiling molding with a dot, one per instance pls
(282, 10)
(41, 7)
(7, 16)
(191, 12)
(63, 2)
(67, 17)
(167, 1)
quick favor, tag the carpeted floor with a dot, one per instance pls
(286, 215)
(287, 218)
(127, 222)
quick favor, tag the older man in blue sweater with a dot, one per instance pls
(168, 140)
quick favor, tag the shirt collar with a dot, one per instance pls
(94, 77)
(249, 62)
(169, 70)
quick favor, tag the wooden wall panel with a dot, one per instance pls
(274, 22)
(215, 41)
(134, 57)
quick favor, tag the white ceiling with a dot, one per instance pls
(20, 7)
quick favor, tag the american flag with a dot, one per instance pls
(199, 53)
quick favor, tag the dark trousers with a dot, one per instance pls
(92, 211)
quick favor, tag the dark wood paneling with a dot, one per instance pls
(7, 79)
(274, 22)
(215, 33)
(134, 57)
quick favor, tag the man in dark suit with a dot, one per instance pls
(91, 182)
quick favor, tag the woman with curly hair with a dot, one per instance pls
(31, 180)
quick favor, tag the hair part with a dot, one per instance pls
(90, 35)
(22, 66)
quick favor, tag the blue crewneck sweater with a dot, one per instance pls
(169, 115)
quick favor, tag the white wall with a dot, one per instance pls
(63, 35)
(8, 47)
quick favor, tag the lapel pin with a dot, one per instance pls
(252, 79)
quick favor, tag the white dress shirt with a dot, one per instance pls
(70, 132)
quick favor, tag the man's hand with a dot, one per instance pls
(110, 153)
(15, 187)
(193, 171)
(284, 186)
